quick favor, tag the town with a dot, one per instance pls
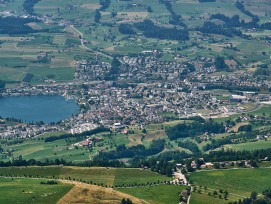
(146, 89)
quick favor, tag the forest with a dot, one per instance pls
(29, 6)
(15, 25)
(193, 129)
(128, 152)
(150, 30)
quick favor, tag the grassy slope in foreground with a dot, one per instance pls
(236, 181)
(30, 191)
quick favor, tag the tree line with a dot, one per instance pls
(175, 18)
(128, 152)
(231, 87)
(14, 25)
(193, 129)
(104, 4)
(212, 28)
(83, 134)
(150, 30)
(47, 162)
(239, 5)
(231, 155)
(28, 6)
(2, 84)
(255, 199)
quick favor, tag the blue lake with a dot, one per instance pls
(38, 108)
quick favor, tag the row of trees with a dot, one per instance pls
(254, 199)
(83, 134)
(231, 87)
(231, 155)
(32, 162)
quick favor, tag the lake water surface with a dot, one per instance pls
(38, 108)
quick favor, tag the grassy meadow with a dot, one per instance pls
(236, 181)
(156, 194)
(31, 191)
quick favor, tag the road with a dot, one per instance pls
(94, 51)
(85, 47)
(180, 176)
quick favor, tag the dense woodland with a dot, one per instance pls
(175, 19)
(104, 4)
(29, 6)
(128, 152)
(14, 25)
(212, 28)
(150, 30)
(126, 29)
(69, 135)
(2, 84)
(230, 155)
(193, 129)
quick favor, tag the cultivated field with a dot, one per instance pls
(95, 175)
(18, 54)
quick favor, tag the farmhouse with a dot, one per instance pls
(86, 143)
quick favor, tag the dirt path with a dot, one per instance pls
(180, 176)
(85, 193)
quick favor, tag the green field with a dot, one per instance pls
(265, 110)
(36, 148)
(249, 146)
(98, 175)
(30, 191)
(157, 194)
(236, 181)
(19, 53)
(204, 198)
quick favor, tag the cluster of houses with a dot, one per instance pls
(143, 68)
(22, 130)
(234, 79)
